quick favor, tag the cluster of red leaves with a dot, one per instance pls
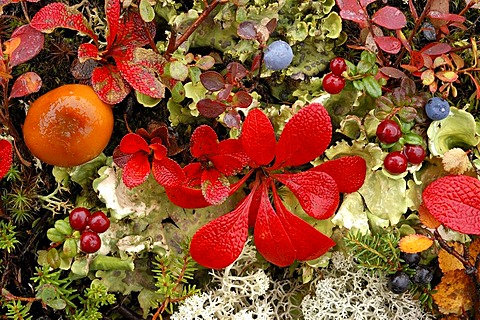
(6, 158)
(455, 202)
(126, 34)
(280, 236)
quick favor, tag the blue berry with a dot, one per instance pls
(423, 275)
(437, 108)
(412, 259)
(278, 55)
(429, 31)
(399, 282)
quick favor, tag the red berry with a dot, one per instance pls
(90, 242)
(337, 66)
(78, 218)
(388, 131)
(333, 84)
(98, 222)
(395, 162)
(414, 153)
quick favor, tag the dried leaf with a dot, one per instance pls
(448, 262)
(390, 18)
(6, 158)
(295, 146)
(415, 243)
(455, 293)
(454, 201)
(210, 108)
(258, 138)
(31, 43)
(455, 161)
(109, 84)
(348, 172)
(316, 192)
(59, 15)
(27, 83)
(474, 250)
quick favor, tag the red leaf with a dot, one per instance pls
(390, 18)
(31, 43)
(351, 10)
(210, 108)
(186, 197)
(436, 49)
(348, 172)
(271, 238)
(204, 141)
(258, 138)
(109, 85)
(296, 146)
(6, 158)
(308, 242)
(121, 158)
(131, 32)
(232, 119)
(25, 84)
(217, 244)
(437, 15)
(247, 30)
(159, 150)
(87, 51)
(59, 15)
(112, 12)
(388, 44)
(212, 80)
(236, 70)
(393, 72)
(242, 99)
(136, 170)
(215, 186)
(141, 68)
(455, 202)
(132, 143)
(230, 158)
(167, 172)
(316, 192)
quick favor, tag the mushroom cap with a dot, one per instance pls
(68, 126)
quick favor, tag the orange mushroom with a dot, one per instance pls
(68, 126)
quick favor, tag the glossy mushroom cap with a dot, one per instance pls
(68, 126)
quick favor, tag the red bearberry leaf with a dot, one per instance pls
(455, 202)
(25, 84)
(210, 108)
(167, 172)
(6, 158)
(59, 15)
(159, 150)
(121, 159)
(136, 170)
(109, 84)
(436, 49)
(186, 197)
(132, 143)
(437, 15)
(236, 70)
(112, 12)
(132, 32)
(242, 99)
(271, 238)
(87, 51)
(316, 192)
(230, 157)
(308, 242)
(203, 142)
(348, 172)
(215, 186)
(218, 243)
(296, 145)
(353, 11)
(31, 43)
(388, 44)
(212, 80)
(142, 68)
(258, 138)
(390, 18)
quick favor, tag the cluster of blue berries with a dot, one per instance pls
(400, 282)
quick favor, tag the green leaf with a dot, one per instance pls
(145, 100)
(146, 11)
(57, 304)
(177, 70)
(178, 92)
(358, 84)
(372, 87)
(412, 138)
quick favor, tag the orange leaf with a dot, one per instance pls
(448, 262)
(447, 76)
(427, 218)
(415, 243)
(11, 45)
(455, 293)
(428, 77)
